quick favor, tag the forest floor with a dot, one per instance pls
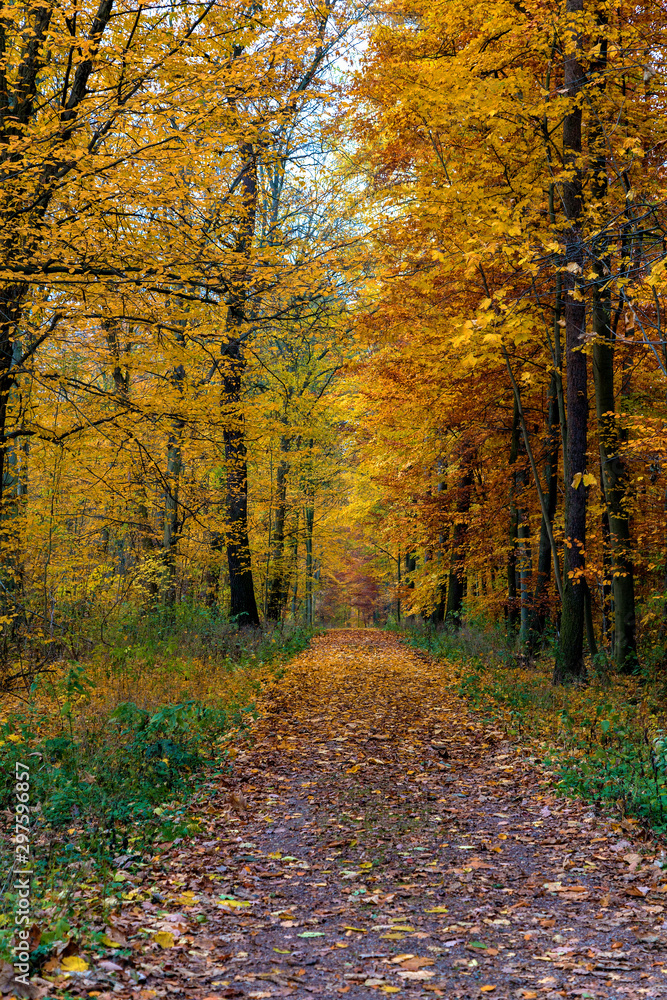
(375, 838)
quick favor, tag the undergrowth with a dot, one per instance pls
(605, 740)
(120, 745)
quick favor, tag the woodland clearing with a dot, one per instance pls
(372, 837)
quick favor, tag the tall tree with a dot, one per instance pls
(614, 469)
(569, 656)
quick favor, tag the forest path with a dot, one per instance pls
(369, 818)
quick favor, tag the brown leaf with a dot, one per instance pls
(239, 802)
(10, 985)
(35, 936)
(414, 964)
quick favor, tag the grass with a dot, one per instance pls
(119, 745)
(605, 740)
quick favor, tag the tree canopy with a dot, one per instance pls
(336, 311)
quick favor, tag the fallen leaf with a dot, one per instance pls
(239, 802)
(414, 964)
(109, 943)
(186, 899)
(164, 938)
(74, 963)
(109, 966)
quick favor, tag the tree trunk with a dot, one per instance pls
(588, 618)
(615, 477)
(14, 492)
(277, 591)
(398, 586)
(409, 566)
(615, 485)
(295, 566)
(242, 604)
(544, 558)
(606, 590)
(10, 556)
(440, 606)
(309, 517)
(172, 487)
(525, 565)
(569, 664)
(170, 533)
(512, 590)
(456, 587)
(213, 572)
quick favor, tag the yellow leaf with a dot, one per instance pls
(164, 939)
(390, 989)
(233, 903)
(353, 770)
(74, 963)
(106, 940)
(486, 989)
(577, 479)
(187, 898)
(438, 909)
(589, 479)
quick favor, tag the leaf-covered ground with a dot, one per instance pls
(374, 839)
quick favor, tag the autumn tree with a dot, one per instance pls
(500, 225)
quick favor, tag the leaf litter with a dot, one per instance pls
(321, 860)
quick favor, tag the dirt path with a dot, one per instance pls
(373, 840)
